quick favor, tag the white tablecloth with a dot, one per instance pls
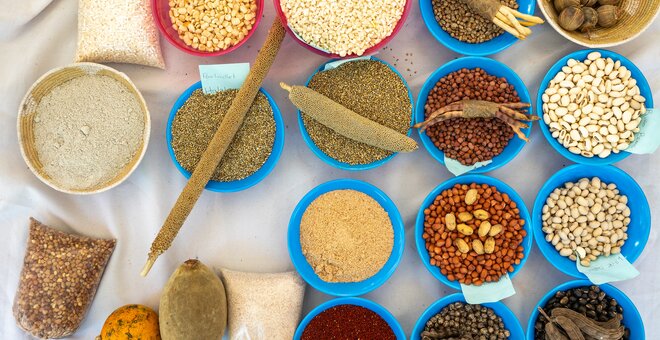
(247, 230)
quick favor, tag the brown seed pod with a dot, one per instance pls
(608, 15)
(560, 5)
(608, 2)
(571, 18)
(590, 19)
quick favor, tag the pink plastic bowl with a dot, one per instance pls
(161, 8)
(369, 51)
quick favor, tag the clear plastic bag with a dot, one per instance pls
(60, 275)
(263, 306)
(119, 31)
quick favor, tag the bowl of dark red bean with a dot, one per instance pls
(580, 310)
(349, 318)
(474, 111)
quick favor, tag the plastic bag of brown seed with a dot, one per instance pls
(59, 279)
(118, 31)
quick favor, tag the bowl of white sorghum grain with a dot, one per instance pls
(592, 103)
(454, 25)
(254, 151)
(343, 29)
(339, 239)
(582, 296)
(591, 211)
(83, 128)
(207, 28)
(456, 315)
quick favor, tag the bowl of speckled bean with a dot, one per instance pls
(372, 88)
(187, 140)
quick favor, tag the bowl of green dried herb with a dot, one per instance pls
(253, 153)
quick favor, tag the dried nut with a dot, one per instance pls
(450, 221)
(489, 245)
(571, 18)
(608, 15)
(561, 4)
(471, 196)
(494, 230)
(478, 246)
(464, 229)
(464, 216)
(590, 19)
(462, 246)
(481, 214)
(484, 228)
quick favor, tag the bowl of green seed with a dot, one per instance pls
(251, 156)
(371, 88)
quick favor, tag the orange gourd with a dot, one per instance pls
(135, 322)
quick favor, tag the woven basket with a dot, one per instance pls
(41, 88)
(637, 15)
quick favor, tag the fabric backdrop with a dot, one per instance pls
(247, 230)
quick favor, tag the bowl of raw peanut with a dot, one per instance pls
(207, 28)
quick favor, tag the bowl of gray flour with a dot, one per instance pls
(83, 128)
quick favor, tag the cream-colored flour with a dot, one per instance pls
(86, 130)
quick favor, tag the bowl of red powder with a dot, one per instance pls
(349, 318)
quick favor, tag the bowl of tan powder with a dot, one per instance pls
(83, 128)
(345, 237)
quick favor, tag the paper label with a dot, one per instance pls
(335, 64)
(223, 76)
(608, 269)
(647, 139)
(456, 168)
(489, 291)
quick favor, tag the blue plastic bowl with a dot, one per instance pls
(337, 164)
(492, 67)
(640, 213)
(469, 179)
(378, 309)
(631, 318)
(244, 183)
(492, 46)
(644, 89)
(510, 321)
(353, 288)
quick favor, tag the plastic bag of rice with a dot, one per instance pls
(118, 31)
(263, 305)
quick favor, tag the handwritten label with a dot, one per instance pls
(456, 168)
(647, 139)
(489, 292)
(608, 269)
(335, 64)
(222, 76)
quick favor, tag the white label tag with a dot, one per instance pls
(223, 76)
(647, 139)
(456, 168)
(489, 291)
(608, 269)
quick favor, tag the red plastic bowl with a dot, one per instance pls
(369, 51)
(161, 8)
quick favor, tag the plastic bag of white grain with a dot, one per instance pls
(118, 31)
(263, 305)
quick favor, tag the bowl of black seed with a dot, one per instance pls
(455, 25)
(453, 318)
(601, 312)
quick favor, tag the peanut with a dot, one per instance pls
(489, 246)
(481, 214)
(464, 229)
(484, 228)
(494, 230)
(450, 221)
(471, 196)
(462, 246)
(478, 246)
(465, 216)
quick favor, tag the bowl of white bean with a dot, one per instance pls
(593, 103)
(590, 211)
